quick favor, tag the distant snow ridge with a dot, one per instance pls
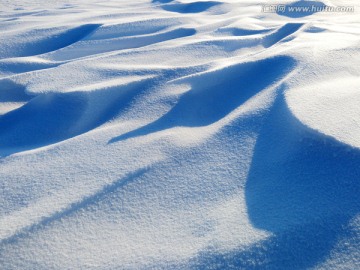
(178, 135)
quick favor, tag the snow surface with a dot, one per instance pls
(178, 135)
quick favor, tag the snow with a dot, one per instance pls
(178, 135)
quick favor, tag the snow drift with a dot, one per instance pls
(178, 135)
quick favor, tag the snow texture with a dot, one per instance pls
(178, 134)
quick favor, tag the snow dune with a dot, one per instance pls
(178, 135)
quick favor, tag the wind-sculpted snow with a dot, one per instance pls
(194, 7)
(215, 94)
(41, 41)
(173, 134)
